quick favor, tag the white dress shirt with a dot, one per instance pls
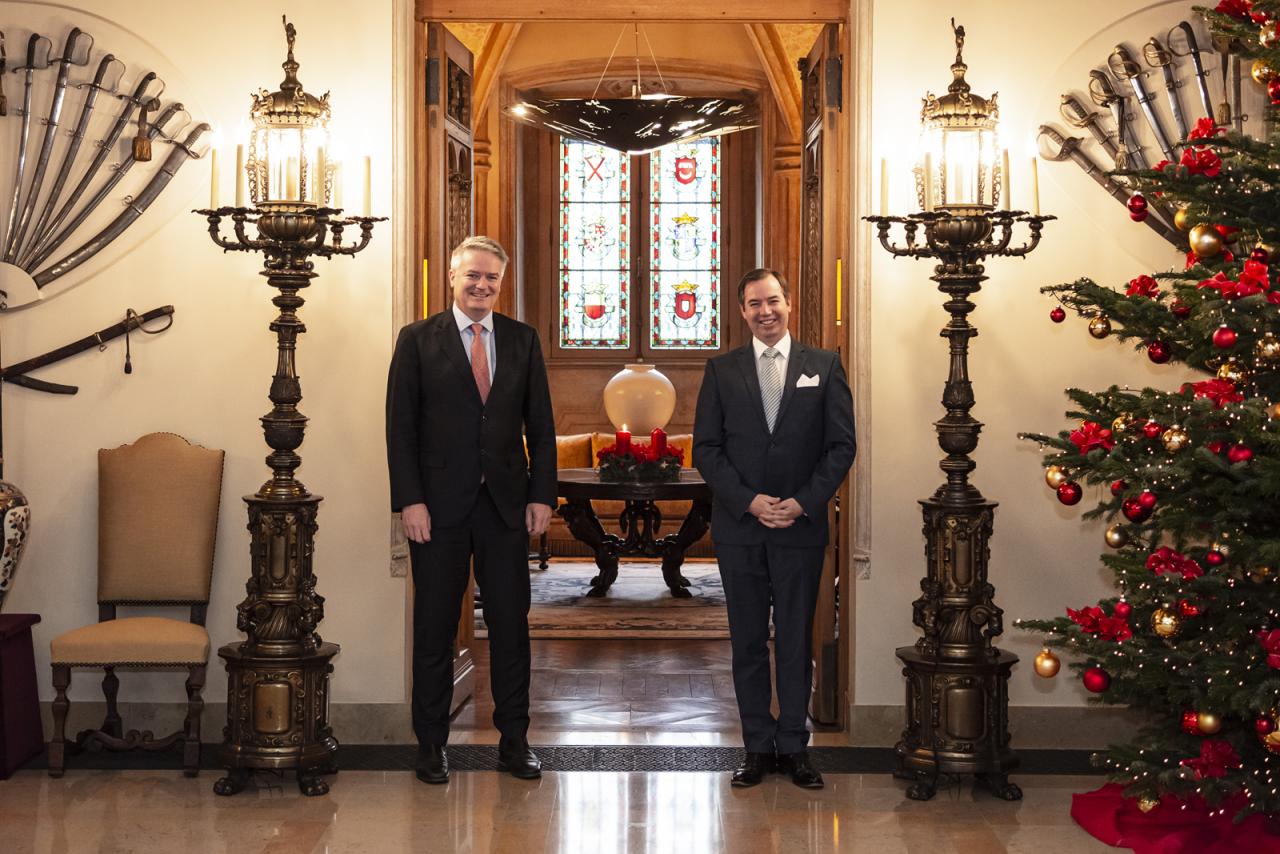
(784, 353)
(464, 329)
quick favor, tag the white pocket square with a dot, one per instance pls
(806, 381)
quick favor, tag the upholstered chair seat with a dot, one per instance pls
(133, 641)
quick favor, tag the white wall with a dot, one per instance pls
(1042, 558)
(207, 377)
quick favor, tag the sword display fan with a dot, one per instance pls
(77, 171)
(1121, 87)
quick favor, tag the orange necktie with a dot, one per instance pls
(480, 361)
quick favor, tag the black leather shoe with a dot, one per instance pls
(802, 772)
(432, 765)
(753, 769)
(515, 757)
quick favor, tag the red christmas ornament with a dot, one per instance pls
(1264, 725)
(1180, 309)
(1259, 254)
(1147, 499)
(1224, 337)
(1188, 609)
(1213, 557)
(1216, 446)
(1058, 315)
(1096, 679)
(1191, 722)
(1070, 493)
(1137, 207)
(1152, 430)
(1239, 453)
(1273, 90)
(1118, 487)
(1123, 609)
(1133, 511)
(1159, 352)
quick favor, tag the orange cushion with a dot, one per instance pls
(133, 640)
(574, 451)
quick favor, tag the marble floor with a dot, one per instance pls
(156, 812)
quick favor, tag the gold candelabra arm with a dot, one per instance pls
(336, 227)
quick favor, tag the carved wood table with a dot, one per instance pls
(640, 522)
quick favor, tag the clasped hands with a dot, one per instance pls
(416, 521)
(775, 512)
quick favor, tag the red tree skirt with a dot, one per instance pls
(1168, 829)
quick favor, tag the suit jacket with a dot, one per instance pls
(441, 439)
(805, 457)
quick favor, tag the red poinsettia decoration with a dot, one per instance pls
(1114, 629)
(1091, 435)
(1217, 756)
(1166, 560)
(1206, 128)
(1238, 9)
(1194, 259)
(1095, 621)
(1221, 392)
(1201, 161)
(1143, 286)
(1089, 616)
(1270, 641)
(1254, 279)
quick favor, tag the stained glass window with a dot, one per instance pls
(595, 247)
(684, 236)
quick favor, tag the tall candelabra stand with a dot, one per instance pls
(278, 679)
(957, 681)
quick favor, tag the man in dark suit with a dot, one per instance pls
(774, 438)
(464, 385)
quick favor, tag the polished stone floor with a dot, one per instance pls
(156, 812)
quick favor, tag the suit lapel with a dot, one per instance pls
(747, 364)
(450, 341)
(795, 365)
(504, 341)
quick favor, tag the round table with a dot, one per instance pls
(640, 522)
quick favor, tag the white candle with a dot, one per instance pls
(239, 176)
(1035, 188)
(928, 182)
(1004, 179)
(338, 173)
(884, 187)
(368, 174)
(291, 179)
(318, 179)
(213, 179)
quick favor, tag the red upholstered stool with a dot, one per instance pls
(21, 735)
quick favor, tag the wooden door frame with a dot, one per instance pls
(856, 15)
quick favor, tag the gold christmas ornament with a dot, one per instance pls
(1233, 371)
(1100, 326)
(1220, 546)
(1267, 348)
(1175, 439)
(1122, 423)
(1047, 664)
(1180, 219)
(1272, 741)
(1260, 574)
(1055, 476)
(1165, 623)
(1261, 72)
(1273, 411)
(1117, 537)
(1209, 722)
(1147, 803)
(1269, 34)
(1205, 241)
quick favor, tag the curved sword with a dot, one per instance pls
(41, 229)
(1193, 50)
(1070, 149)
(1074, 113)
(55, 232)
(4, 66)
(69, 52)
(32, 44)
(134, 208)
(1157, 56)
(1104, 94)
(1124, 67)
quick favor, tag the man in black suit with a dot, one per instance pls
(774, 438)
(464, 385)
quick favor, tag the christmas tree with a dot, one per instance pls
(1190, 477)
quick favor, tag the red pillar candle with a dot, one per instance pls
(622, 439)
(659, 440)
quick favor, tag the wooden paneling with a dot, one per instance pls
(576, 393)
(764, 11)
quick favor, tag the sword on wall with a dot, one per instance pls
(1158, 56)
(1074, 113)
(1192, 49)
(1123, 66)
(1104, 94)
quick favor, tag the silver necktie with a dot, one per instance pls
(770, 385)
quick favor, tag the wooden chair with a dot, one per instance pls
(157, 521)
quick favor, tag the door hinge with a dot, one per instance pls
(433, 82)
(834, 83)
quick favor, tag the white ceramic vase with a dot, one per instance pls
(639, 398)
